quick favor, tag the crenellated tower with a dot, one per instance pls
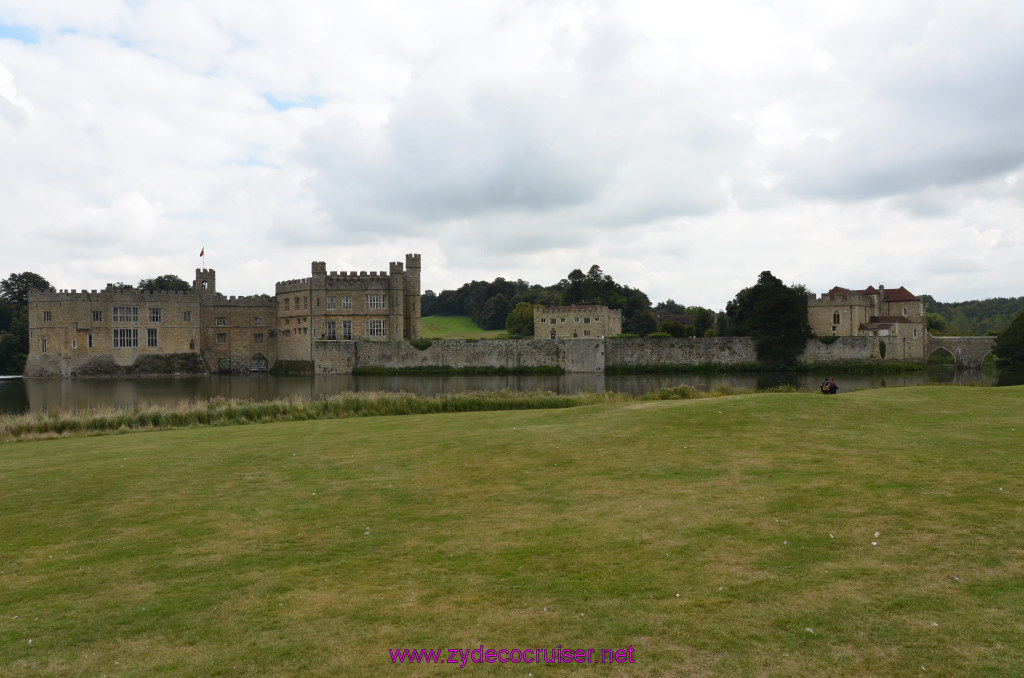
(412, 296)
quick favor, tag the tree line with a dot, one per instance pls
(505, 304)
(972, 318)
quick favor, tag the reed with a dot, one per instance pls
(221, 412)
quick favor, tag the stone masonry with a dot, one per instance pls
(75, 333)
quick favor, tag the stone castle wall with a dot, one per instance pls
(572, 355)
(341, 357)
(683, 351)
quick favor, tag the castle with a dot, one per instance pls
(896, 317)
(72, 332)
(576, 322)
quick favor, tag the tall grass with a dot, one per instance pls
(221, 412)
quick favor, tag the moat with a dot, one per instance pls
(48, 395)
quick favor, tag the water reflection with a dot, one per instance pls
(49, 395)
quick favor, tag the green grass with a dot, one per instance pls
(454, 327)
(728, 536)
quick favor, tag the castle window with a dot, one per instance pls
(375, 301)
(126, 338)
(258, 322)
(286, 304)
(346, 303)
(42, 345)
(586, 333)
(74, 343)
(287, 321)
(89, 341)
(563, 320)
(835, 318)
(596, 318)
(346, 330)
(915, 333)
(222, 321)
(155, 315)
(305, 303)
(332, 303)
(47, 317)
(187, 316)
(296, 303)
(191, 344)
(375, 328)
(576, 319)
(332, 330)
(151, 337)
(586, 321)
(904, 310)
(126, 314)
(97, 317)
(543, 320)
(257, 338)
(206, 285)
(222, 338)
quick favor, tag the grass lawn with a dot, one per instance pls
(454, 327)
(873, 533)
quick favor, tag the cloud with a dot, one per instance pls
(683, 147)
(938, 106)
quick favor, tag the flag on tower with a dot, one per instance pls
(202, 252)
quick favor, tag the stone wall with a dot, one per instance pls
(843, 349)
(686, 351)
(572, 355)
(341, 357)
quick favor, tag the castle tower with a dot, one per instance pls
(205, 283)
(412, 296)
(397, 312)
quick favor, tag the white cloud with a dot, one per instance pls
(684, 148)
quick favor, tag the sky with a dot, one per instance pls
(684, 147)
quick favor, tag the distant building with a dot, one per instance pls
(897, 317)
(576, 322)
(72, 332)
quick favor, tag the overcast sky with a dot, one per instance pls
(683, 146)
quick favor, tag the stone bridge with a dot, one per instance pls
(967, 352)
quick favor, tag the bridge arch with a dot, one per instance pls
(968, 352)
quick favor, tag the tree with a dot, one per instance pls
(936, 323)
(675, 329)
(494, 313)
(169, 282)
(14, 319)
(15, 288)
(520, 320)
(774, 316)
(1009, 346)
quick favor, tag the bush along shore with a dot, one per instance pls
(222, 412)
(755, 368)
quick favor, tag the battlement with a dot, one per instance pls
(110, 293)
(247, 300)
(335, 279)
(412, 261)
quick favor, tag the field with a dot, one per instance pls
(454, 327)
(873, 533)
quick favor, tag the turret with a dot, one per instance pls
(412, 296)
(205, 282)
